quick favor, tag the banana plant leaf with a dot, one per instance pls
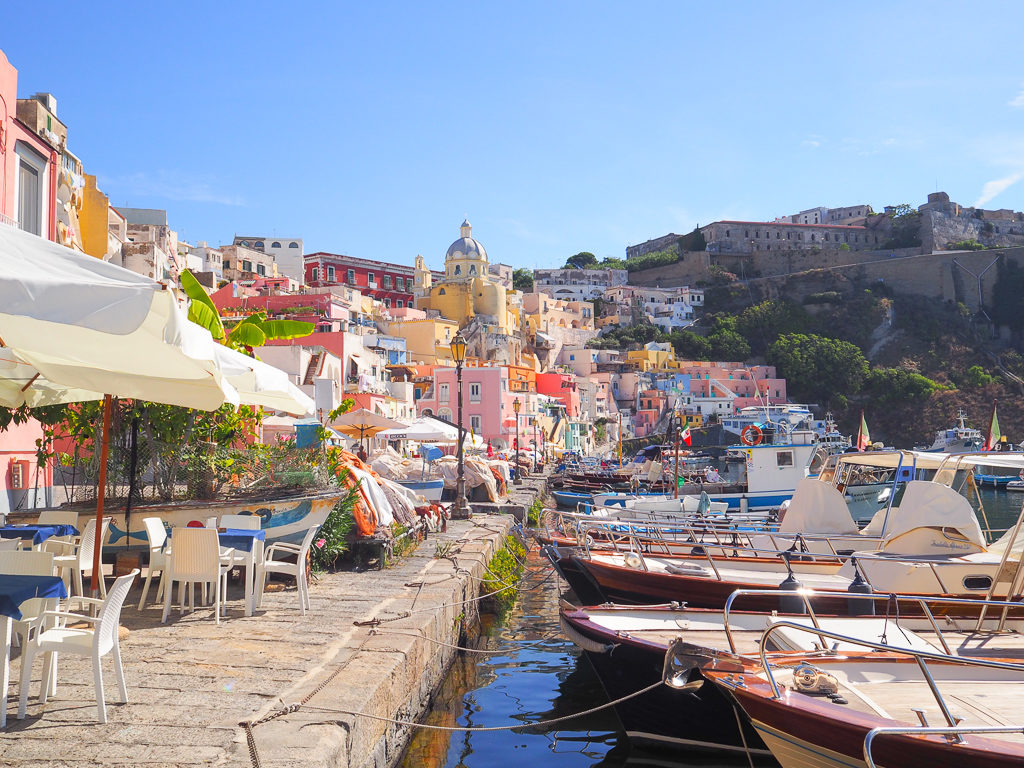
(286, 329)
(201, 308)
(247, 334)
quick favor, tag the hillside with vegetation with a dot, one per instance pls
(909, 362)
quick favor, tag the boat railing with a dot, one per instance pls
(956, 733)
(920, 656)
(641, 543)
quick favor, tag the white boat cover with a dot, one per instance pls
(928, 505)
(817, 507)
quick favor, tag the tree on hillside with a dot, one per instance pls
(763, 323)
(819, 369)
(522, 280)
(582, 260)
(906, 227)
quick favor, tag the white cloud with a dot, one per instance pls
(814, 141)
(997, 187)
(1018, 100)
(169, 186)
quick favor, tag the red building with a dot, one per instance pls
(389, 283)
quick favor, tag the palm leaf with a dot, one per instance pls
(247, 334)
(210, 320)
(286, 329)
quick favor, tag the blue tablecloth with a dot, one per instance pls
(16, 589)
(38, 533)
(241, 538)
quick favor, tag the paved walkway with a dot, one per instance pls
(190, 682)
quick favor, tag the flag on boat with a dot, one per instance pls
(993, 432)
(686, 437)
(863, 437)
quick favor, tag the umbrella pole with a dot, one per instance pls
(100, 494)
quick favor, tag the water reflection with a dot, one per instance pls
(536, 675)
(539, 676)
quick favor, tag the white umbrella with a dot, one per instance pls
(429, 430)
(261, 384)
(73, 327)
(71, 323)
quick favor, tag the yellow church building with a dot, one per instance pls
(468, 295)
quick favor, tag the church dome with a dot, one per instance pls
(466, 247)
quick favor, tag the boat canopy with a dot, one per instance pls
(923, 460)
(927, 505)
(817, 507)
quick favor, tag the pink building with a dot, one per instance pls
(487, 396)
(745, 385)
(29, 166)
(650, 405)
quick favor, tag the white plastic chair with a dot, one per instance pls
(296, 569)
(55, 544)
(241, 522)
(9, 545)
(157, 536)
(195, 559)
(27, 563)
(79, 555)
(96, 642)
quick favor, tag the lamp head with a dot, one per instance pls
(516, 405)
(458, 347)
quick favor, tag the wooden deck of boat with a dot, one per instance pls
(895, 691)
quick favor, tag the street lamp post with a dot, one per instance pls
(460, 510)
(535, 446)
(516, 405)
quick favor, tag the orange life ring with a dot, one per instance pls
(751, 435)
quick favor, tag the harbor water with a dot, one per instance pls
(530, 673)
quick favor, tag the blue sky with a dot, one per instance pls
(372, 129)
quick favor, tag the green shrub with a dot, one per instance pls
(503, 572)
(334, 533)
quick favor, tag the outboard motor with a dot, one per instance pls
(855, 606)
(790, 603)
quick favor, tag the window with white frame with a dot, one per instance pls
(387, 282)
(316, 274)
(351, 277)
(370, 278)
(474, 393)
(330, 274)
(442, 393)
(474, 423)
(30, 206)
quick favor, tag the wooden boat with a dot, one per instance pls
(882, 706)
(630, 646)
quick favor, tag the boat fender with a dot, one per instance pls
(811, 680)
(858, 606)
(583, 641)
(633, 560)
(790, 603)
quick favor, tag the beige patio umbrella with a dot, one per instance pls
(73, 327)
(363, 423)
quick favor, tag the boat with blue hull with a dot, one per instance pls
(760, 474)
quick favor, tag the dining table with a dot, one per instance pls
(15, 589)
(36, 532)
(250, 542)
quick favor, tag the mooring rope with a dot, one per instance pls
(419, 633)
(481, 728)
(249, 725)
